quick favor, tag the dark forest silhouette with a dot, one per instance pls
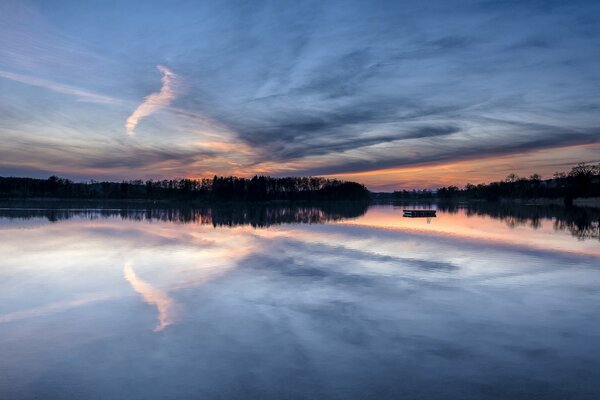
(258, 188)
(582, 181)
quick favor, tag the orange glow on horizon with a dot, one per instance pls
(480, 170)
(227, 156)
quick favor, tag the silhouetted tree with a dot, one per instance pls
(258, 188)
(582, 181)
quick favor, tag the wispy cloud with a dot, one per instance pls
(84, 95)
(154, 101)
(30, 41)
(395, 91)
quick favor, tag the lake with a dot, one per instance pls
(332, 301)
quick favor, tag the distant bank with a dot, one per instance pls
(579, 186)
(256, 189)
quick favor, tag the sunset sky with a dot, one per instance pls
(390, 94)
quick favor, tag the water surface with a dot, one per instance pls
(312, 302)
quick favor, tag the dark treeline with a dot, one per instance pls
(414, 194)
(257, 215)
(258, 188)
(582, 181)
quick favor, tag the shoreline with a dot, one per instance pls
(592, 202)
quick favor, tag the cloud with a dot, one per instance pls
(301, 89)
(154, 101)
(452, 151)
(30, 42)
(83, 94)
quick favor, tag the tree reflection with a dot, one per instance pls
(256, 215)
(580, 222)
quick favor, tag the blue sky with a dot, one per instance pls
(392, 94)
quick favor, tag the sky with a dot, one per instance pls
(398, 94)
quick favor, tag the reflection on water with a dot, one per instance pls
(257, 215)
(52, 308)
(581, 222)
(299, 303)
(167, 308)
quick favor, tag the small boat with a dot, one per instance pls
(419, 213)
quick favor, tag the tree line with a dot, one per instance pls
(258, 188)
(583, 180)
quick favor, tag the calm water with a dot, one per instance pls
(332, 302)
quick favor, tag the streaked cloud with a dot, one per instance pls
(32, 44)
(82, 94)
(295, 89)
(154, 101)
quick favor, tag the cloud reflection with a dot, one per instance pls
(54, 307)
(167, 308)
